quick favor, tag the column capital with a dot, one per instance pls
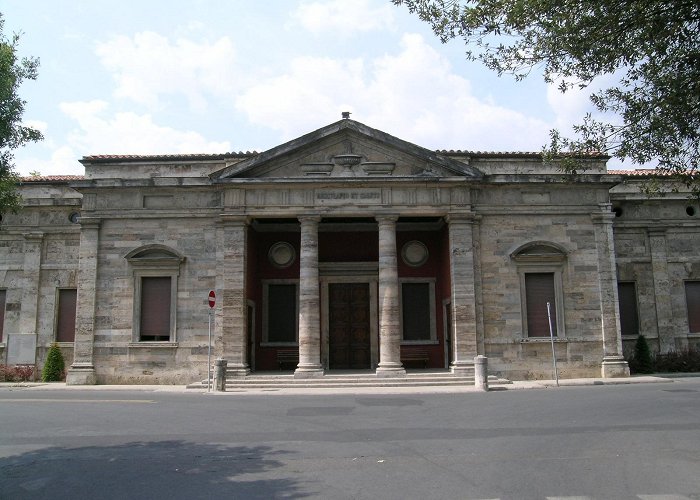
(386, 218)
(234, 219)
(462, 218)
(656, 231)
(36, 236)
(309, 219)
(89, 222)
(602, 217)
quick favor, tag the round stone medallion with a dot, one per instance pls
(281, 254)
(414, 253)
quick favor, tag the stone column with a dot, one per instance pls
(614, 364)
(231, 336)
(309, 302)
(662, 289)
(389, 320)
(463, 293)
(82, 371)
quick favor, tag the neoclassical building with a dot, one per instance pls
(344, 249)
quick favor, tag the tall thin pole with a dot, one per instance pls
(551, 337)
(209, 356)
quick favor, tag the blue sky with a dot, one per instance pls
(212, 76)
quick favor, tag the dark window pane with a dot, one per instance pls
(692, 297)
(539, 289)
(281, 313)
(155, 308)
(65, 324)
(415, 302)
(2, 312)
(629, 319)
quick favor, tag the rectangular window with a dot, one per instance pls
(3, 295)
(281, 313)
(155, 308)
(692, 298)
(539, 290)
(65, 321)
(629, 317)
(418, 311)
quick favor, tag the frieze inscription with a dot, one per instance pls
(345, 196)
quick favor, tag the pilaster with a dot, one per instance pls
(82, 371)
(614, 364)
(231, 339)
(463, 292)
(389, 320)
(662, 289)
(309, 302)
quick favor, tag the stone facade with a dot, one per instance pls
(348, 248)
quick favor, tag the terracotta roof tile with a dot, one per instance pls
(51, 178)
(168, 157)
(640, 172)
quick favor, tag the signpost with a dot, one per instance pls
(212, 303)
(551, 337)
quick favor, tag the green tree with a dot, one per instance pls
(54, 366)
(651, 47)
(643, 361)
(13, 71)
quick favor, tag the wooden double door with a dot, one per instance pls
(349, 326)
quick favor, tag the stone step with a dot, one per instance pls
(347, 380)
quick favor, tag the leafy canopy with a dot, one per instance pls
(13, 134)
(651, 47)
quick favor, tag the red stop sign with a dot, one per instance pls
(212, 299)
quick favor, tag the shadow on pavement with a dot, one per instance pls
(165, 469)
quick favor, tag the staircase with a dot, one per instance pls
(347, 379)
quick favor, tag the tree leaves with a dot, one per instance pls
(13, 134)
(653, 44)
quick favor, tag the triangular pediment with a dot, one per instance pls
(347, 148)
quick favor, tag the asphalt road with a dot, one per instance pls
(604, 442)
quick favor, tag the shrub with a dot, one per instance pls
(53, 369)
(18, 373)
(642, 361)
(687, 360)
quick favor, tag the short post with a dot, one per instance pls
(481, 378)
(551, 337)
(220, 374)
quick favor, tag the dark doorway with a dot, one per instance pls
(348, 320)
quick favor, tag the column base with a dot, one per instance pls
(390, 370)
(309, 371)
(81, 375)
(614, 367)
(462, 368)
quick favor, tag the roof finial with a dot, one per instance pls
(345, 115)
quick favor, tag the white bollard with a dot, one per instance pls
(481, 377)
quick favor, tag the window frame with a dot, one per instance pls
(154, 261)
(58, 315)
(542, 258)
(264, 342)
(687, 306)
(636, 308)
(431, 310)
(3, 308)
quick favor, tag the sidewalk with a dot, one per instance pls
(516, 385)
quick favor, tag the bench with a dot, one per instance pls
(287, 357)
(415, 356)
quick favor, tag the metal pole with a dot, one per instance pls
(551, 337)
(209, 356)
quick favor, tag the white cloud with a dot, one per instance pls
(344, 17)
(129, 133)
(148, 66)
(414, 95)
